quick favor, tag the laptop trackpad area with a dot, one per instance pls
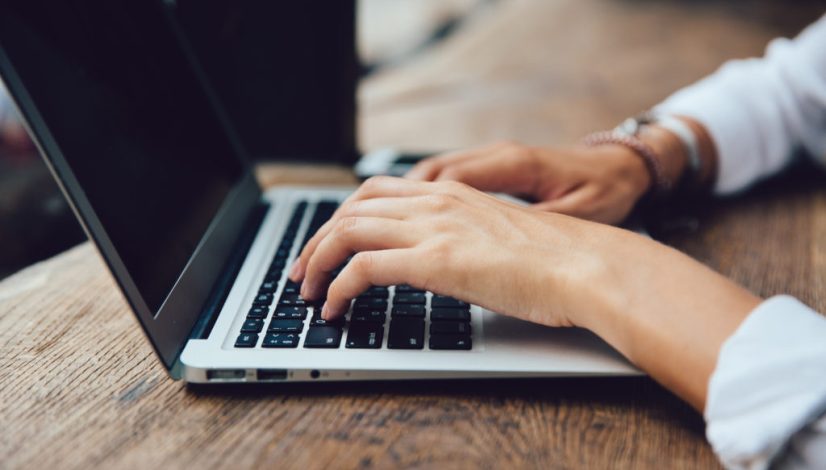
(529, 343)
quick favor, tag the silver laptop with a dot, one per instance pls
(121, 114)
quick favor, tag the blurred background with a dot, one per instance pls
(538, 71)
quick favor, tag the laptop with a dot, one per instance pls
(119, 109)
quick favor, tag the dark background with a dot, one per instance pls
(308, 49)
(285, 75)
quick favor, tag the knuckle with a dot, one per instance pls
(508, 145)
(515, 149)
(453, 173)
(362, 263)
(349, 209)
(452, 188)
(346, 225)
(441, 249)
(439, 202)
(374, 182)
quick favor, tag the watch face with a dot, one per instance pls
(629, 127)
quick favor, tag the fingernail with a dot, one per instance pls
(296, 271)
(325, 311)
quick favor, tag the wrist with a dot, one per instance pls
(690, 158)
(669, 151)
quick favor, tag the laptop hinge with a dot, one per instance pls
(215, 302)
(177, 369)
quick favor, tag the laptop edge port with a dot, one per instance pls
(272, 374)
(226, 374)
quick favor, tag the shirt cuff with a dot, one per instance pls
(722, 117)
(769, 383)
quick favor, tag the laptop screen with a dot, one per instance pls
(131, 121)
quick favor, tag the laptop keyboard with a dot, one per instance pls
(290, 321)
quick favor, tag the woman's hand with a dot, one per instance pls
(664, 311)
(596, 183)
(454, 240)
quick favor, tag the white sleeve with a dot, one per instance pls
(767, 396)
(760, 111)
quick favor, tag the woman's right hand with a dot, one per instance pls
(664, 311)
(454, 240)
(597, 183)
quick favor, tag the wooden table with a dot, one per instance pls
(81, 388)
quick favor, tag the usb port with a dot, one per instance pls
(226, 374)
(272, 374)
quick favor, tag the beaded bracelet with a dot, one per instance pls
(660, 184)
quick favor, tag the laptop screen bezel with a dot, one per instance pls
(169, 328)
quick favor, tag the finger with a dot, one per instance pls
(351, 235)
(576, 203)
(429, 168)
(376, 187)
(492, 172)
(369, 268)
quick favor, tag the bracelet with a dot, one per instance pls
(660, 184)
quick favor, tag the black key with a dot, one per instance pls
(416, 311)
(406, 333)
(264, 300)
(252, 325)
(278, 264)
(409, 298)
(318, 321)
(291, 288)
(324, 210)
(368, 316)
(286, 326)
(298, 213)
(293, 300)
(246, 340)
(450, 342)
(447, 302)
(365, 336)
(258, 312)
(449, 314)
(290, 313)
(406, 288)
(370, 303)
(268, 287)
(323, 337)
(376, 291)
(280, 340)
(449, 327)
(282, 253)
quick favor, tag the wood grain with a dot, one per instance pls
(81, 388)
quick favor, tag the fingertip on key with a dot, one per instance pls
(296, 271)
(325, 312)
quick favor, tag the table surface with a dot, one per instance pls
(80, 386)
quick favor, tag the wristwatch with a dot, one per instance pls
(676, 126)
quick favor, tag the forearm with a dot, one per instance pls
(671, 317)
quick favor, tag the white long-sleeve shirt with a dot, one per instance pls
(766, 401)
